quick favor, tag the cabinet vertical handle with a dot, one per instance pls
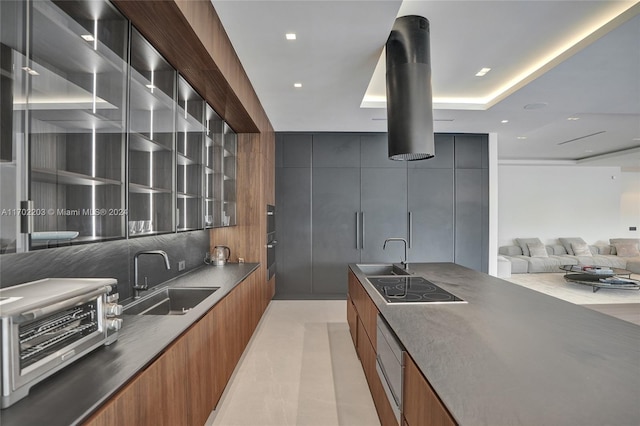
(410, 226)
(26, 220)
(363, 233)
(357, 230)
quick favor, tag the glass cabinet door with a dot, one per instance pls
(213, 177)
(69, 89)
(13, 106)
(190, 142)
(229, 172)
(151, 140)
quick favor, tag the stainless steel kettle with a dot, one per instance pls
(220, 255)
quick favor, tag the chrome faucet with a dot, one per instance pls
(137, 288)
(404, 262)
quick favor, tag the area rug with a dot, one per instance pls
(554, 285)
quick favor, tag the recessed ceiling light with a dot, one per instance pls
(504, 121)
(521, 137)
(297, 85)
(290, 36)
(482, 72)
(573, 118)
(30, 71)
(536, 105)
(88, 37)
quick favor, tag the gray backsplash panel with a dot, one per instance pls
(112, 259)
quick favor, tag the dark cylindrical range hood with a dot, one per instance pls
(409, 103)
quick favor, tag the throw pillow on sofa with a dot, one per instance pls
(614, 241)
(523, 243)
(627, 249)
(581, 249)
(566, 242)
(537, 250)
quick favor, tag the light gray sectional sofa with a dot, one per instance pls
(529, 255)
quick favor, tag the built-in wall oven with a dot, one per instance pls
(271, 241)
(390, 365)
(50, 323)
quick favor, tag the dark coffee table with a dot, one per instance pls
(600, 277)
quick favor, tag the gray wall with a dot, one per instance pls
(113, 259)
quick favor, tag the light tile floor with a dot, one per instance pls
(555, 285)
(300, 368)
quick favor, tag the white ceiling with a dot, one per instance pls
(580, 59)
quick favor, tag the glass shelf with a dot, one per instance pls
(138, 142)
(63, 177)
(143, 189)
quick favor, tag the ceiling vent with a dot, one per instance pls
(409, 98)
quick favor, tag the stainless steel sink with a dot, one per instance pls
(381, 269)
(169, 301)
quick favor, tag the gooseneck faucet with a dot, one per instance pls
(405, 262)
(137, 288)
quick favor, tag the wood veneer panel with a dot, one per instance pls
(186, 382)
(367, 310)
(422, 407)
(204, 388)
(157, 396)
(352, 320)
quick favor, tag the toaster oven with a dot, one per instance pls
(46, 325)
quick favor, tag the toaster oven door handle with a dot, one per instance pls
(49, 309)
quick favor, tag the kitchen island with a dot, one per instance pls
(513, 356)
(71, 395)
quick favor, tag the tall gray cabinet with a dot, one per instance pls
(338, 197)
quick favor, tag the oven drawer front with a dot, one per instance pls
(389, 357)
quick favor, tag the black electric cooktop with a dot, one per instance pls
(401, 289)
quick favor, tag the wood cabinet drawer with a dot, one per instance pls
(422, 407)
(352, 320)
(366, 309)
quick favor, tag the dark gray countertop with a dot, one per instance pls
(72, 394)
(514, 356)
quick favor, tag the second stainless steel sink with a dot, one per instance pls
(169, 301)
(381, 269)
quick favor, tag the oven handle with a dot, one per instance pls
(272, 244)
(37, 313)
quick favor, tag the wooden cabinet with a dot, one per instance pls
(339, 198)
(422, 407)
(362, 316)
(366, 309)
(186, 382)
(158, 396)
